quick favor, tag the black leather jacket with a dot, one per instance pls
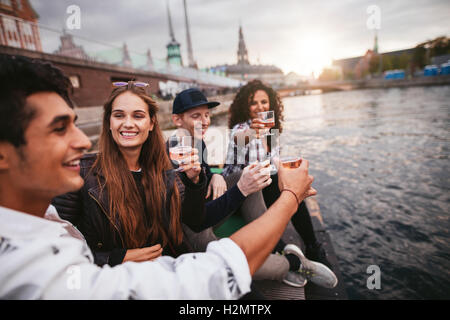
(88, 211)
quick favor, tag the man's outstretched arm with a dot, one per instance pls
(258, 238)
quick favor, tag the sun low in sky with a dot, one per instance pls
(313, 53)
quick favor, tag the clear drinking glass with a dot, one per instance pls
(268, 120)
(290, 157)
(180, 149)
(268, 162)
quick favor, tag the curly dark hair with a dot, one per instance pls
(240, 108)
(21, 77)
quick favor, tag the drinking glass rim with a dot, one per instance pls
(188, 148)
(289, 158)
(180, 140)
(266, 112)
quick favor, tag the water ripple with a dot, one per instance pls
(380, 162)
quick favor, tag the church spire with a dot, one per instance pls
(192, 63)
(171, 33)
(173, 47)
(242, 49)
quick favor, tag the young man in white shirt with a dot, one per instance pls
(44, 257)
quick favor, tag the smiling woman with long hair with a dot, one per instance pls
(124, 197)
(130, 205)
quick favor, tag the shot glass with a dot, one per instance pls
(290, 157)
(180, 149)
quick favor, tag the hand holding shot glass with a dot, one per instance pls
(181, 152)
(264, 169)
(264, 121)
(290, 157)
(268, 120)
(268, 162)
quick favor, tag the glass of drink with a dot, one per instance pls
(180, 149)
(290, 157)
(267, 162)
(268, 120)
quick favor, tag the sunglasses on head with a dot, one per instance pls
(130, 83)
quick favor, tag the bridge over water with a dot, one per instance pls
(327, 86)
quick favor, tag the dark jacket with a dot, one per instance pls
(222, 207)
(88, 210)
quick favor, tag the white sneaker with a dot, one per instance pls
(295, 279)
(317, 272)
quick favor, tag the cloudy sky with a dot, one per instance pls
(295, 35)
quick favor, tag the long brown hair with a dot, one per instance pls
(125, 202)
(240, 107)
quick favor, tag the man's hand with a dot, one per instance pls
(191, 166)
(297, 180)
(143, 254)
(257, 245)
(217, 185)
(254, 178)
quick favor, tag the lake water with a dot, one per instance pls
(380, 159)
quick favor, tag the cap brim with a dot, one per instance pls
(210, 104)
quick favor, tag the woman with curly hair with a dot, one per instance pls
(243, 121)
(271, 101)
(245, 147)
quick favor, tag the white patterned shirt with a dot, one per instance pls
(48, 259)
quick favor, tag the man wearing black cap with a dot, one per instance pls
(191, 114)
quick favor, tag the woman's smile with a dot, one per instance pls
(129, 134)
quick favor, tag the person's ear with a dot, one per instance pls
(177, 120)
(152, 123)
(5, 150)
